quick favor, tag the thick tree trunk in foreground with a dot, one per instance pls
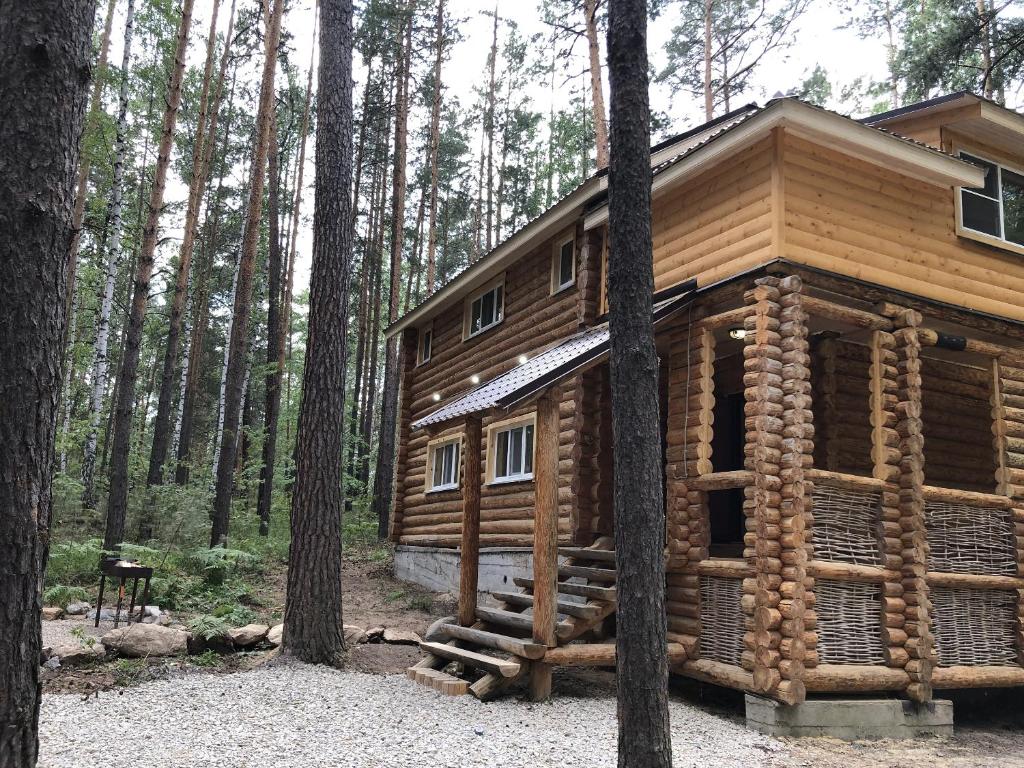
(642, 677)
(162, 423)
(117, 499)
(385, 469)
(44, 74)
(596, 86)
(312, 619)
(112, 246)
(238, 342)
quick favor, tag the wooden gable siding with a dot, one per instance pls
(718, 224)
(860, 220)
(533, 320)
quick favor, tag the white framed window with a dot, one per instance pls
(426, 343)
(510, 451)
(485, 310)
(995, 209)
(445, 456)
(563, 264)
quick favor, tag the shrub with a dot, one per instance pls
(208, 659)
(208, 627)
(60, 595)
(76, 563)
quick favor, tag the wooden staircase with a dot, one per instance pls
(496, 652)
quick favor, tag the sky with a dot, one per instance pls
(817, 39)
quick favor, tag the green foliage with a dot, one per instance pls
(83, 637)
(816, 87)
(208, 660)
(60, 595)
(75, 563)
(208, 627)
(128, 672)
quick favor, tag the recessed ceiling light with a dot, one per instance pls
(475, 379)
(523, 359)
(738, 333)
(437, 397)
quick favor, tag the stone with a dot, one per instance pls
(139, 640)
(401, 637)
(152, 611)
(249, 635)
(851, 719)
(374, 634)
(79, 653)
(77, 609)
(353, 634)
(52, 613)
(107, 614)
(274, 635)
(52, 663)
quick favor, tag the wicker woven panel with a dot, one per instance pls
(846, 525)
(974, 627)
(849, 622)
(966, 539)
(721, 619)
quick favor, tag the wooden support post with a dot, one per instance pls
(913, 535)
(469, 567)
(545, 538)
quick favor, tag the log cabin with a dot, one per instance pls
(839, 314)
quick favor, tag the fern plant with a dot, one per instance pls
(60, 595)
(208, 627)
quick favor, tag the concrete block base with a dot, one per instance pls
(437, 568)
(851, 719)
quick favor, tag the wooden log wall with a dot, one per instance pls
(956, 416)
(407, 351)
(533, 320)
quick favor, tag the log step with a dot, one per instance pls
(580, 610)
(491, 664)
(605, 575)
(513, 645)
(580, 590)
(584, 553)
(517, 621)
(438, 680)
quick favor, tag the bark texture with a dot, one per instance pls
(435, 140)
(117, 499)
(312, 619)
(596, 86)
(238, 341)
(642, 678)
(44, 75)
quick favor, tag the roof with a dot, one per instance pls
(566, 357)
(683, 155)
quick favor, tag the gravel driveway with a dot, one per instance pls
(290, 715)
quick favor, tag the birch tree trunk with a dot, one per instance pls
(161, 426)
(641, 652)
(112, 248)
(117, 500)
(44, 72)
(313, 608)
(237, 344)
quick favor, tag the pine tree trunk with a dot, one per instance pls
(117, 500)
(385, 469)
(112, 248)
(313, 609)
(596, 86)
(44, 73)
(370, 383)
(641, 652)
(489, 126)
(709, 99)
(435, 141)
(162, 424)
(237, 344)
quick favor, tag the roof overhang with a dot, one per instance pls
(821, 126)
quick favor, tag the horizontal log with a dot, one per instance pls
(720, 481)
(717, 673)
(730, 568)
(973, 580)
(856, 317)
(599, 655)
(977, 677)
(821, 569)
(844, 481)
(854, 678)
(968, 498)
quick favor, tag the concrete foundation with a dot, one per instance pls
(851, 719)
(437, 568)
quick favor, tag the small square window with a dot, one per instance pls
(513, 453)
(563, 266)
(444, 466)
(996, 208)
(486, 310)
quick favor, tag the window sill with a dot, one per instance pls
(511, 480)
(443, 488)
(989, 240)
(563, 288)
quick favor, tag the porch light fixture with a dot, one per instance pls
(523, 359)
(437, 397)
(474, 379)
(738, 333)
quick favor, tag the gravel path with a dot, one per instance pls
(290, 715)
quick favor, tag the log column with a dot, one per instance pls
(545, 538)
(913, 536)
(469, 562)
(796, 588)
(762, 501)
(886, 465)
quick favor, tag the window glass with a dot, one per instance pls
(425, 342)
(501, 455)
(516, 438)
(566, 265)
(1013, 206)
(445, 469)
(991, 188)
(485, 310)
(980, 213)
(528, 463)
(513, 453)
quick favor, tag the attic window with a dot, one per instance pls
(485, 310)
(563, 265)
(997, 208)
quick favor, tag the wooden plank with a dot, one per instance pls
(594, 574)
(565, 608)
(580, 590)
(585, 553)
(469, 566)
(491, 664)
(498, 642)
(518, 621)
